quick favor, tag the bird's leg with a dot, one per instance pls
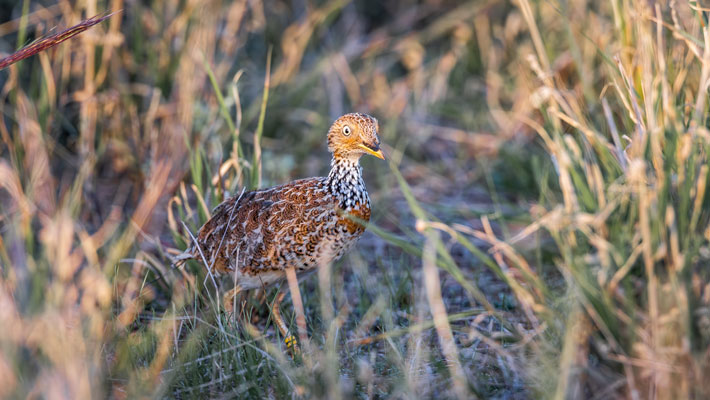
(297, 303)
(289, 339)
(230, 298)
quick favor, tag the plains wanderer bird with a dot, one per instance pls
(256, 236)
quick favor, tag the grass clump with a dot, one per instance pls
(630, 221)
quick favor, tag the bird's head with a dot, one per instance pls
(353, 135)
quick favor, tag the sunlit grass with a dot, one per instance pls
(539, 228)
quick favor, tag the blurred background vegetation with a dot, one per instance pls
(540, 229)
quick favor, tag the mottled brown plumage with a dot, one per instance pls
(256, 236)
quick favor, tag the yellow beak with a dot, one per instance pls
(375, 152)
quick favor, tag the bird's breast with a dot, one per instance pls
(354, 218)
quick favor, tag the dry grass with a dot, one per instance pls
(540, 229)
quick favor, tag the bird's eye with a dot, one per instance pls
(346, 130)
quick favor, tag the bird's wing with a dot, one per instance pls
(263, 229)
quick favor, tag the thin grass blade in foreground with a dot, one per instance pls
(52, 40)
(256, 171)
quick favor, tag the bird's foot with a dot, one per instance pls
(292, 345)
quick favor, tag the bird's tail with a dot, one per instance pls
(180, 259)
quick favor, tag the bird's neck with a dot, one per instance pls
(345, 182)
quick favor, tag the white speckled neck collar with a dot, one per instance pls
(345, 182)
